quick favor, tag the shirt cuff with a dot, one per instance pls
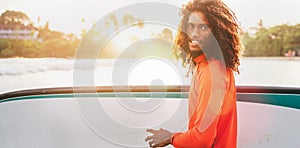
(172, 138)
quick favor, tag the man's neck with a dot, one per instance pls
(195, 54)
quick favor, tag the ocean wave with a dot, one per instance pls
(18, 66)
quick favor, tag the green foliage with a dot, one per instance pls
(49, 43)
(61, 48)
(17, 18)
(3, 44)
(273, 41)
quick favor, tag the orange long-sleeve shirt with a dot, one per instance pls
(212, 108)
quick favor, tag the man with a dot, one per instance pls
(208, 39)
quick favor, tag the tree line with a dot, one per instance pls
(274, 41)
(259, 41)
(48, 43)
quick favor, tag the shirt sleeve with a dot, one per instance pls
(193, 138)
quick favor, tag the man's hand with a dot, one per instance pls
(160, 138)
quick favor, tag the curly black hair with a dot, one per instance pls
(223, 24)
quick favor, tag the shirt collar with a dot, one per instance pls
(199, 59)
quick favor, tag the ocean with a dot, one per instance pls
(26, 73)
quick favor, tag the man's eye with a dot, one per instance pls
(203, 27)
(190, 26)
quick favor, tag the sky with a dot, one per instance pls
(67, 15)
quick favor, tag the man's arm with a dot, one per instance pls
(205, 115)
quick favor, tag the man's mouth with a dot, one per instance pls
(195, 43)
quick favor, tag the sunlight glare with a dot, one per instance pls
(153, 70)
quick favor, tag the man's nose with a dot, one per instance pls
(195, 33)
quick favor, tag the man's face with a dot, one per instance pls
(198, 32)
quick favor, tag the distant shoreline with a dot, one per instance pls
(275, 58)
